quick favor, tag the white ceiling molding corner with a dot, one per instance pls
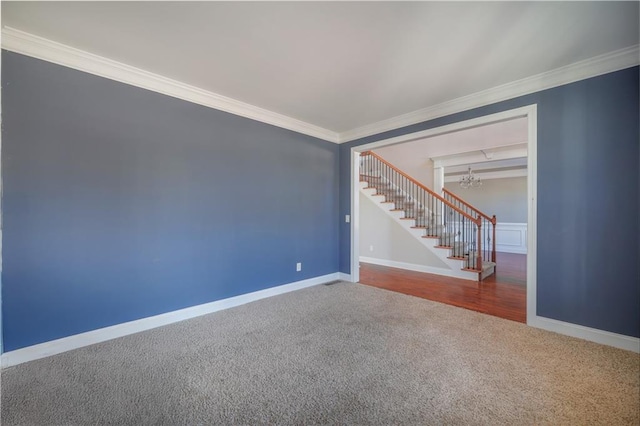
(41, 48)
(599, 65)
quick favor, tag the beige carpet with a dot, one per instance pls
(339, 354)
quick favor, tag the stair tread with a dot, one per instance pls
(425, 219)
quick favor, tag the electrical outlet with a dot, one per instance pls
(347, 218)
(298, 267)
(370, 248)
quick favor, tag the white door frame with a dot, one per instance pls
(531, 113)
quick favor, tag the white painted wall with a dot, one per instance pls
(390, 242)
(506, 198)
(417, 165)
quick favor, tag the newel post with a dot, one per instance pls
(493, 239)
(479, 244)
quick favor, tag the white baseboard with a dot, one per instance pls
(420, 268)
(344, 277)
(587, 333)
(574, 330)
(76, 341)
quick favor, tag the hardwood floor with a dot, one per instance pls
(503, 294)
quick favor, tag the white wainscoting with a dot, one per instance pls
(511, 237)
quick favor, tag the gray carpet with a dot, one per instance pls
(339, 354)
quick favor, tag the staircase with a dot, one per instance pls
(459, 234)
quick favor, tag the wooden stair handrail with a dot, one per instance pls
(491, 220)
(477, 221)
(486, 216)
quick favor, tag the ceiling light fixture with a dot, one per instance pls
(470, 180)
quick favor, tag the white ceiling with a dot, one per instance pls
(336, 65)
(488, 137)
(496, 150)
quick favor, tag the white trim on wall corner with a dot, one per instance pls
(593, 67)
(41, 48)
(76, 341)
(28, 44)
(586, 333)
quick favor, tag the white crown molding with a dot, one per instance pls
(602, 64)
(41, 48)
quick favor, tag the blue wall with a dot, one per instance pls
(588, 255)
(120, 203)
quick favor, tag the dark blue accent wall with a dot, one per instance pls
(121, 203)
(588, 252)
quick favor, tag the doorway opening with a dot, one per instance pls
(493, 159)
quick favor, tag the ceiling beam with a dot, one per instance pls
(482, 156)
(498, 174)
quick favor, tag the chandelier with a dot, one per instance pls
(470, 180)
